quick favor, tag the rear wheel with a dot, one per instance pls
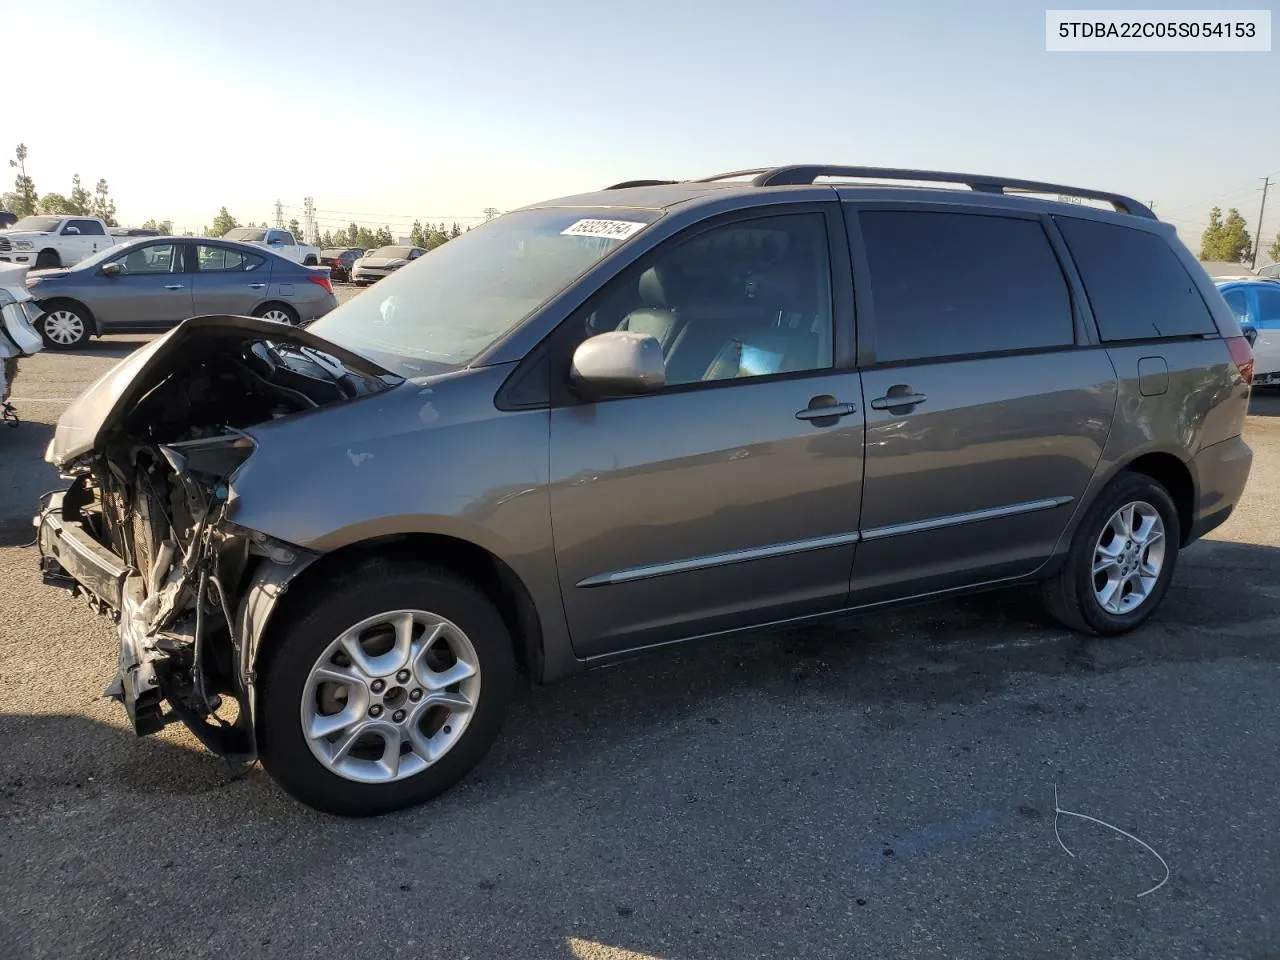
(64, 326)
(386, 691)
(48, 260)
(1121, 561)
(278, 313)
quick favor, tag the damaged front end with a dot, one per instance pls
(144, 530)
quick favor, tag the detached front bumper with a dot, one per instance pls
(71, 558)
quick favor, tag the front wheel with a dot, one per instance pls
(1121, 561)
(48, 260)
(385, 692)
(64, 327)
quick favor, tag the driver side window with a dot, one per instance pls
(747, 299)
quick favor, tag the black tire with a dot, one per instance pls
(48, 260)
(275, 306)
(310, 262)
(52, 325)
(1070, 596)
(373, 588)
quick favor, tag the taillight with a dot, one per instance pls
(1242, 355)
(320, 281)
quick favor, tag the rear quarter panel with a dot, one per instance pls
(1205, 403)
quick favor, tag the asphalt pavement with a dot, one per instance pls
(883, 786)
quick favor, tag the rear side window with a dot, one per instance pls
(1137, 287)
(950, 284)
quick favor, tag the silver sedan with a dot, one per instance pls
(157, 282)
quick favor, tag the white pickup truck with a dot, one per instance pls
(43, 242)
(277, 241)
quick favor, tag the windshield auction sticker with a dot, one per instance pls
(609, 229)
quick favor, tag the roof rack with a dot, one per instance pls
(641, 183)
(801, 174)
(807, 173)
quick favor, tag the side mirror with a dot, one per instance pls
(1251, 334)
(71, 231)
(618, 363)
(111, 270)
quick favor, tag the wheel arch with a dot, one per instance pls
(493, 576)
(53, 302)
(1172, 473)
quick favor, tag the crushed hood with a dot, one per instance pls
(83, 426)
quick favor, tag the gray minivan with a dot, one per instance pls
(618, 421)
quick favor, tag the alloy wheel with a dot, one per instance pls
(277, 316)
(390, 696)
(1128, 558)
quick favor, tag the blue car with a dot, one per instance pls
(155, 283)
(1256, 304)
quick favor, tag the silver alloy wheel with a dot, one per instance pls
(390, 696)
(1128, 557)
(63, 327)
(277, 315)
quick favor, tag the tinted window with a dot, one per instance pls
(152, 258)
(90, 228)
(1137, 287)
(211, 259)
(743, 300)
(948, 284)
(1268, 304)
(1238, 303)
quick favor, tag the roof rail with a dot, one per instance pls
(807, 173)
(641, 183)
(733, 174)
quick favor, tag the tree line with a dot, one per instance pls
(25, 200)
(1228, 240)
(427, 236)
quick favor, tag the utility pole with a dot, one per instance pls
(1266, 182)
(309, 219)
(279, 216)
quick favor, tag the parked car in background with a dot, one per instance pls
(151, 284)
(340, 260)
(128, 233)
(42, 242)
(280, 242)
(1256, 305)
(379, 263)
(1271, 270)
(7, 219)
(614, 422)
(18, 337)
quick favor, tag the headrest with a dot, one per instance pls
(656, 286)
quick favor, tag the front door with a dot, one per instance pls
(985, 421)
(228, 280)
(151, 289)
(727, 498)
(79, 239)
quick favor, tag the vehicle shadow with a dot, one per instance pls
(112, 345)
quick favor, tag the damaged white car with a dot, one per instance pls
(18, 337)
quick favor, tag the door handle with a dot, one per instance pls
(832, 410)
(899, 399)
(173, 286)
(256, 286)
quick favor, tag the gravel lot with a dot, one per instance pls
(880, 787)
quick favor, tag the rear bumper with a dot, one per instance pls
(1221, 471)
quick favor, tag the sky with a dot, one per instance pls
(388, 111)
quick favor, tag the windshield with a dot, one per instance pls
(246, 234)
(37, 224)
(449, 305)
(391, 253)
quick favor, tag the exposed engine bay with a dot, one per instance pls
(143, 529)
